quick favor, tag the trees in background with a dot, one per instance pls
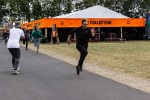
(37, 9)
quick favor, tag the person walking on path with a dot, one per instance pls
(14, 47)
(37, 34)
(83, 34)
(25, 41)
(6, 36)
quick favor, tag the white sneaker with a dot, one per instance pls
(16, 72)
(18, 68)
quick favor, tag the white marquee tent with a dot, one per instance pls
(94, 12)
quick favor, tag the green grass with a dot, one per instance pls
(127, 57)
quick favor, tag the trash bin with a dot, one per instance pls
(145, 37)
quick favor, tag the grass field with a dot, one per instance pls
(127, 57)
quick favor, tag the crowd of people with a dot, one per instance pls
(12, 39)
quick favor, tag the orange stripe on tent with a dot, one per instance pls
(92, 22)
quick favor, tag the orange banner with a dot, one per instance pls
(40, 23)
(117, 22)
(92, 22)
(29, 25)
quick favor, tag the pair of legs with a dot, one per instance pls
(37, 44)
(25, 41)
(16, 54)
(93, 39)
(6, 39)
(54, 40)
(83, 53)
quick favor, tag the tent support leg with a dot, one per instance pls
(121, 33)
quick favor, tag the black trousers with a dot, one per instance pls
(16, 54)
(83, 53)
(6, 39)
(25, 41)
(54, 40)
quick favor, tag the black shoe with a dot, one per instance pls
(78, 70)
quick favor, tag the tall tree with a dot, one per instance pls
(19, 8)
(52, 8)
(115, 5)
(25, 9)
(67, 6)
(37, 12)
(56, 8)
(136, 8)
(46, 7)
(49, 8)
(130, 8)
(83, 4)
(3, 9)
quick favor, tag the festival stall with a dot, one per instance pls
(98, 17)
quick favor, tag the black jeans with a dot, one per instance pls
(54, 40)
(16, 54)
(83, 53)
(6, 39)
(25, 41)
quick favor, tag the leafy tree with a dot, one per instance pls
(37, 12)
(80, 5)
(3, 9)
(50, 8)
(67, 6)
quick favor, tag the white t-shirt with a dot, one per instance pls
(14, 38)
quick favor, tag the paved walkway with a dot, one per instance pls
(45, 78)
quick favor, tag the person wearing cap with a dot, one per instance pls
(83, 34)
(14, 46)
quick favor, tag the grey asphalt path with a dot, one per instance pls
(45, 78)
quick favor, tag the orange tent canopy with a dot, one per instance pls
(92, 22)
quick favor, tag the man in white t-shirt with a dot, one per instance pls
(14, 46)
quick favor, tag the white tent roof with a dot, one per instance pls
(94, 12)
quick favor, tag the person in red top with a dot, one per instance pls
(54, 32)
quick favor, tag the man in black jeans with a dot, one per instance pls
(83, 34)
(25, 41)
(14, 46)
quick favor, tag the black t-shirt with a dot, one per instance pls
(82, 35)
(26, 32)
